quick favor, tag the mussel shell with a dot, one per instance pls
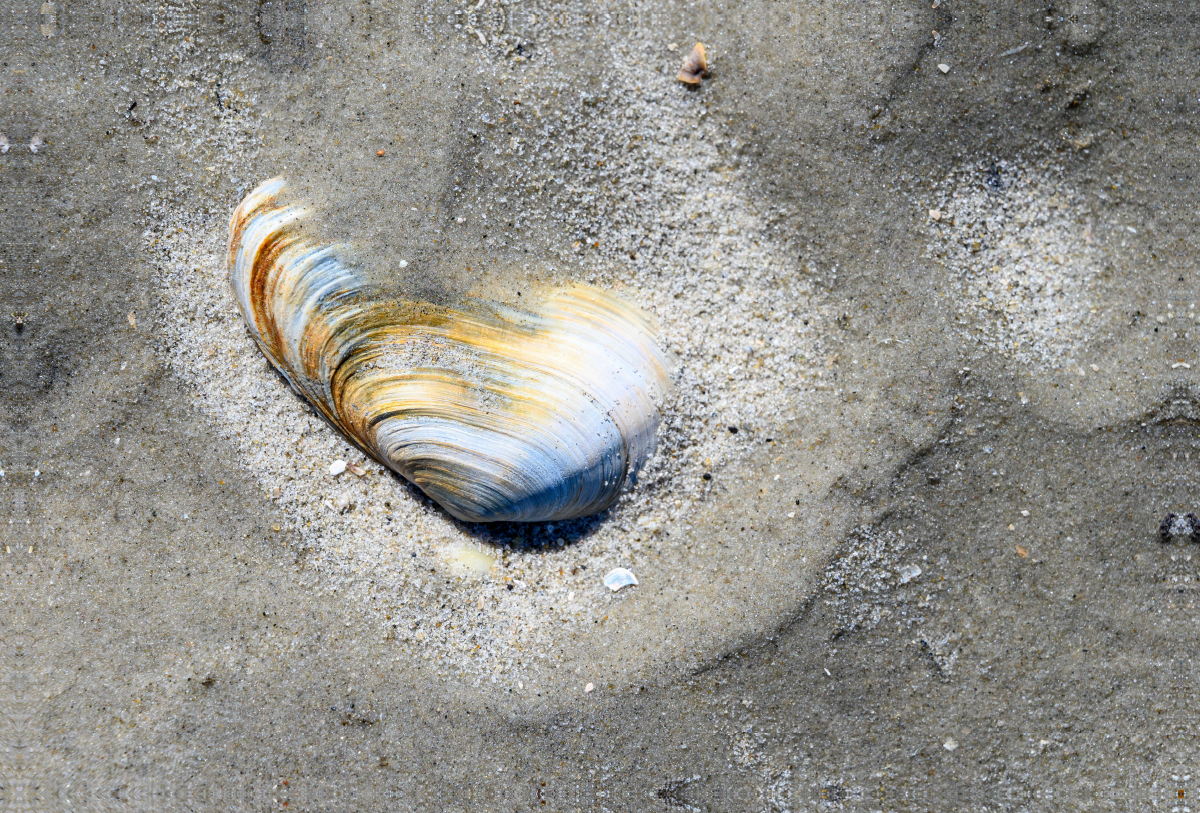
(495, 413)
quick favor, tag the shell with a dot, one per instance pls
(495, 413)
(619, 577)
(695, 66)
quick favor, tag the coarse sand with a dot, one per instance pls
(1018, 242)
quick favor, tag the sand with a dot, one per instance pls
(925, 572)
(736, 313)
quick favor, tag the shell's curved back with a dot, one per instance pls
(495, 413)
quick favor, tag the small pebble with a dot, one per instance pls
(934, 214)
(950, 744)
(404, 263)
(337, 467)
(589, 688)
(943, 67)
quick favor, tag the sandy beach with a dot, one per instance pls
(924, 277)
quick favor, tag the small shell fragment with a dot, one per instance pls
(337, 467)
(695, 66)
(355, 469)
(469, 559)
(619, 577)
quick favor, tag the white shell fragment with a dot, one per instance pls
(619, 577)
(337, 467)
(908, 573)
(469, 559)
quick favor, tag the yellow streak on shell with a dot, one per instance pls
(495, 413)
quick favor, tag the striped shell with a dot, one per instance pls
(495, 413)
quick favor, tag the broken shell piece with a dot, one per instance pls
(468, 559)
(355, 469)
(337, 467)
(619, 577)
(695, 66)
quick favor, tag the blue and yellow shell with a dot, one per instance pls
(496, 414)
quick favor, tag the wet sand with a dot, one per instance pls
(950, 313)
